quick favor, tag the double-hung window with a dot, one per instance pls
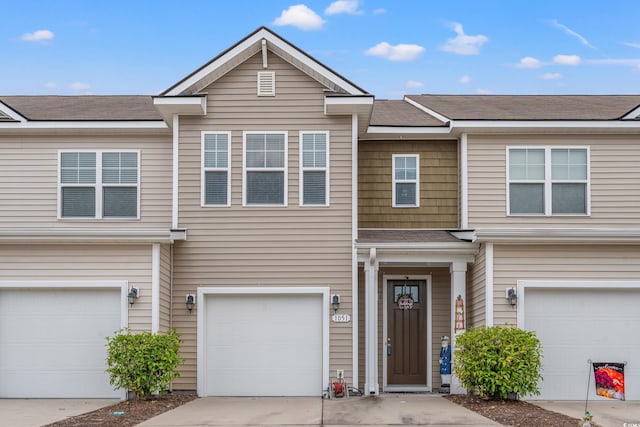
(99, 184)
(406, 181)
(314, 171)
(216, 166)
(548, 181)
(265, 168)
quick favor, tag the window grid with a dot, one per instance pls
(406, 181)
(314, 169)
(566, 172)
(265, 156)
(216, 169)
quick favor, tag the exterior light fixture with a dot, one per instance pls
(335, 302)
(512, 296)
(133, 296)
(190, 301)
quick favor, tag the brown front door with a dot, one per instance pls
(407, 332)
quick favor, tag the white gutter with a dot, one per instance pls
(124, 124)
(103, 235)
(562, 235)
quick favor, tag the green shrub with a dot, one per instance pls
(143, 362)
(499, 360)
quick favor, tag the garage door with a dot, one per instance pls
(263, 345)
(52, 342)
(578, 324)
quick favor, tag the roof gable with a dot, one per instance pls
(251, 45)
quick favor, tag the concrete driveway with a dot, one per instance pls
(392, 409)
(606, 413)
(38, 412)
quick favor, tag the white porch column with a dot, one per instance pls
(458, 314)
(371, 324)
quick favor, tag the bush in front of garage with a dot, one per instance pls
(498, 362)
(143, 363)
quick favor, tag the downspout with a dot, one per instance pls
(354, 251)
(464, 183)
(174, 198)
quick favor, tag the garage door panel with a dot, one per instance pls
(264, 345)
(575, 325)
(53, 342)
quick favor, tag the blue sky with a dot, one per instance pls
(389, 48)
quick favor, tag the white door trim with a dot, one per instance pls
(429, 379)
(523, 285)
(236, 290)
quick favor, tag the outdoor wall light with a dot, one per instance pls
(133, 296)
(512, 296)
(190, 300)
(335, 302)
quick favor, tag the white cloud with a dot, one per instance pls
(412, 84)
(343, 6)
(529, 62)
(379, 11)
(51, 85)
(79, 86)
(551, 76)
(570, 32)
(301, 17)
(464, 44)
(637, 68)
(484, 92)
(37, 36)
(632, 44)
(464, 79)
(567, 59)
(399, 52)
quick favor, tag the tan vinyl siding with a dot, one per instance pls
(440, 318)
(615, 182)
(29, 179)
(438, 185)
(260, 246)
(476, 291)
(165, 288)
(558, 262)
(85, 262)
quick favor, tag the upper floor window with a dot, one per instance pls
(101, 184)
(265, 168)
(216, 167)
(406, 180)
(314, 171)
(548, 181)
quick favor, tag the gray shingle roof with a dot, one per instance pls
(405, 236)
(400, 113)
(530, 107)
(82, 108)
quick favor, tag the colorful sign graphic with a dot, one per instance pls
(609, 379)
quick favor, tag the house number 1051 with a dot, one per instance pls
(341, 318)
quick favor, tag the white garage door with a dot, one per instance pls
(52, 342)
(263, 345)
(578, 324)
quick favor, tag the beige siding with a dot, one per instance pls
(440, 318)
(558, 262)
(29, 179)
(254, 246)
(476, 291)
(165, 288)
(85, 262)
(615, 182)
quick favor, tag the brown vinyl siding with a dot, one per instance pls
(29, 179)
(264, 246)
(438, 185)
(615, 182)
(476, 290)
(440, 318)
(165, 288)
(558, 262)
(85, 262)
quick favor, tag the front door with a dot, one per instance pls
(406, 343)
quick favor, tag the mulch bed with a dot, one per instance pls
(127, 413)
(514, 413)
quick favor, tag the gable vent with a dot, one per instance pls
(266, 83)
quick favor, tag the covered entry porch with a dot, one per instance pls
(409, 282)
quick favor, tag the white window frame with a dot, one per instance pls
(316, 169)
(405, 181)
(284, 169)
(205, 169)
(548, 181)
(98, 186)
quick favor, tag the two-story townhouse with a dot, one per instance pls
(291, 228)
